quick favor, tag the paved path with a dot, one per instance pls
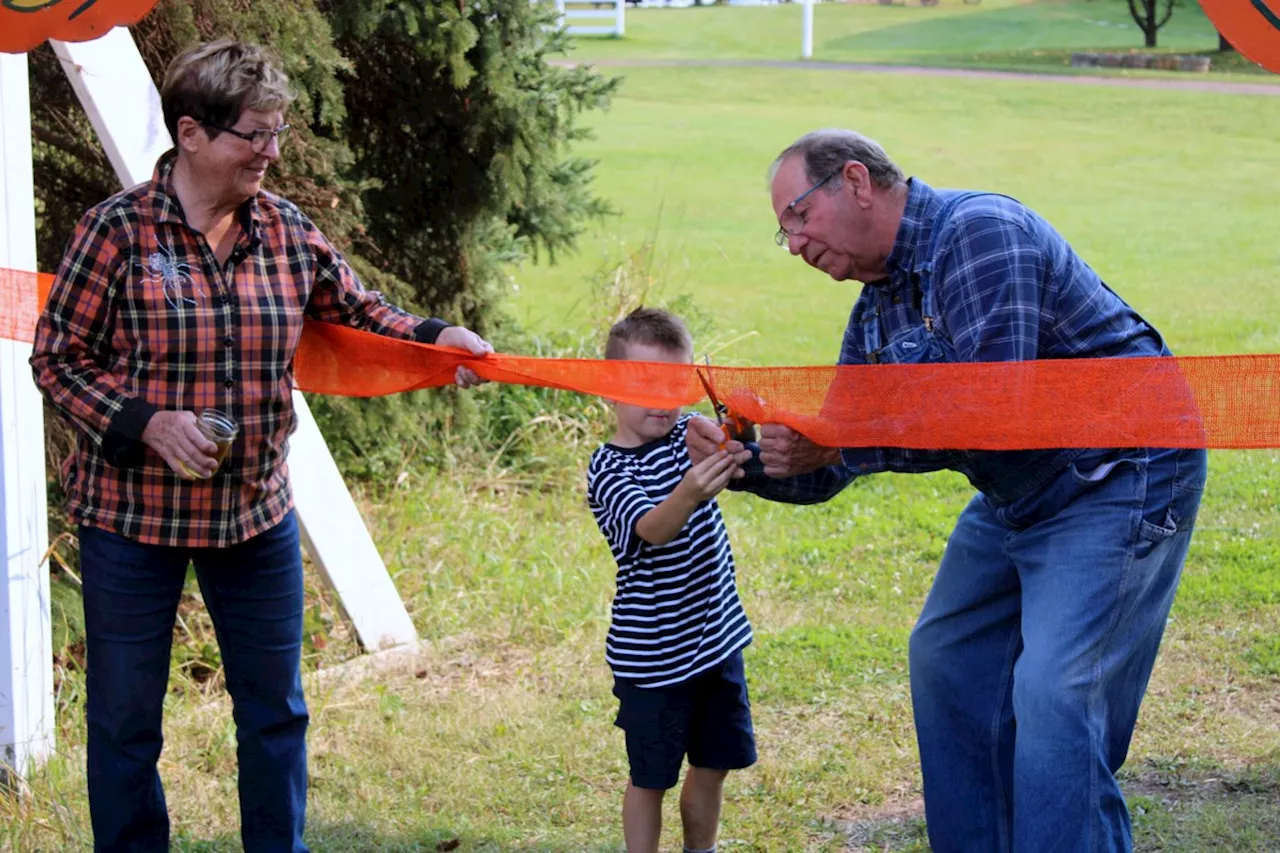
(1197, 85)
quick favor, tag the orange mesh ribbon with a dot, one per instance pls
(1206, 401)
(26, 23)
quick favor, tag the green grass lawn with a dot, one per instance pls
(1168, 194)
(1003, 34)
(499, 735)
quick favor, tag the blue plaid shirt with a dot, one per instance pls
(1008, 288)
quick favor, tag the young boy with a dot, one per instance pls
(678, 629)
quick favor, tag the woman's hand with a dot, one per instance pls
(460, 337)
(177, 438)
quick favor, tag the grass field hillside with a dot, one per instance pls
(1005, 34)
(1168, 195)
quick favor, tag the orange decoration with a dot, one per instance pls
(1210, 401)
(24, 24)
(1252, 27)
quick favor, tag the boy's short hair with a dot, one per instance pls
(651, 327)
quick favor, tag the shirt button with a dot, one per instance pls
(226, 299)
(228, 382)
(228, 342)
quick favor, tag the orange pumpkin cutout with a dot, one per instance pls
(26, 23)
(1252, 27)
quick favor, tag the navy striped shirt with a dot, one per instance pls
(676, 612)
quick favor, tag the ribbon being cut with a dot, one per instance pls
(1225, 401)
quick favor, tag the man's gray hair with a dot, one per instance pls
(826, 151)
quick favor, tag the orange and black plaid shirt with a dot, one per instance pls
(142, 318)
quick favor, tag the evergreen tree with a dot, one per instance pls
(431, 144)
(461, 131)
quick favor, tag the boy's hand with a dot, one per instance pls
(704, 437)
(704, 480)
(709, 477)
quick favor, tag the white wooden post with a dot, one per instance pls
(338, 541)
(806, 38)
(26, 653)
(574, 16)
(123, 104)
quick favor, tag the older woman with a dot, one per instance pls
(182, 295)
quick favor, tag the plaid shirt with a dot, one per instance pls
(142, 317)
(1008, 288)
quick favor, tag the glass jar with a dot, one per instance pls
(220, 428)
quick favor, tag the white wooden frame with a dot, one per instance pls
(123, 105)
(806, 31)
(26, 650)
(572, 12)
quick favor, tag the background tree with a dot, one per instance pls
(432, 145)
(461, 130)
(1150, 16)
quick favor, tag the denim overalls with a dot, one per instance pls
(1000, 475)
(1033, 650)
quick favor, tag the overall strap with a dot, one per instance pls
(924, 269)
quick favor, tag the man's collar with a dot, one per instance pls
(917, 218)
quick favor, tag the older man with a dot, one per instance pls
(1033, 651)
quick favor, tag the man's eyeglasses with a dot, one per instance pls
(791, 222)
(258, 139)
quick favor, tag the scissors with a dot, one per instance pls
(735, 425)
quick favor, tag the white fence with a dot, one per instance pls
(580, 17)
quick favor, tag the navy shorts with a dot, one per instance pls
(707, 717)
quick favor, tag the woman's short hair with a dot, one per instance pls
(215, 82)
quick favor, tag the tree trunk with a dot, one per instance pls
(1148, 22)
(1147, 15)
(1223, 44)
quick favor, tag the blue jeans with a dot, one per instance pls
(253, 592)
(1034, 648)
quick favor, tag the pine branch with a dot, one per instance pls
(71, 146)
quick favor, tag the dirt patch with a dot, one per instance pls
(872, 829)
(899, 823)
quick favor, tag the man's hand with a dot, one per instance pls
(704, 437)
(460, 337)
(786, 453)
(177, 438)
